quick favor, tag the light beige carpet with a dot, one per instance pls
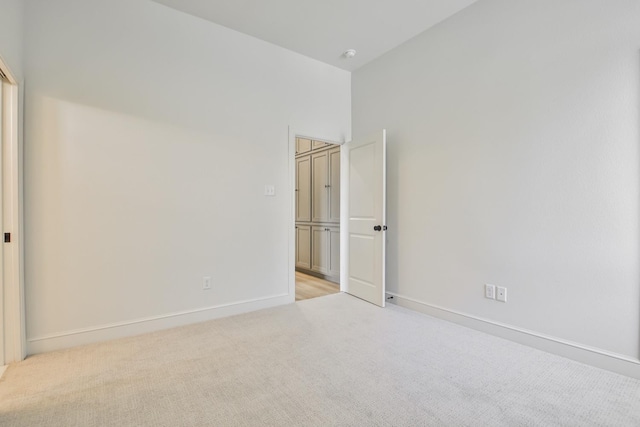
(327, 361)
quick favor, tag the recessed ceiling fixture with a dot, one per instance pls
(350, 53)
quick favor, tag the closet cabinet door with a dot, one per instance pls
(334, 185)
(325, 250)
(303, 145)
(316, 145)
(333, 248)
(303, 246)
(319, 242)
(303, 189)
(320, 187)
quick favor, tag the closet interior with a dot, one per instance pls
(317, 210)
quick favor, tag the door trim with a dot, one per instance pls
(291, 221)
(13, 267)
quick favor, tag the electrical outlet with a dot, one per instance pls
(501, 294)
(206, 283)
(269, 190)
(490, 291)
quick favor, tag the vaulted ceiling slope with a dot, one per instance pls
(324, 29)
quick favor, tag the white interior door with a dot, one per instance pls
(1, 222)
(366, 217)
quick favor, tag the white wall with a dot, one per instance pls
(150, 135)
(513, 160)
(11, 26)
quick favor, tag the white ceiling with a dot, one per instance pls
(324, 29)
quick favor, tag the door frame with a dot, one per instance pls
(291, 222)
(12, 281)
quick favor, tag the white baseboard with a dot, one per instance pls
(78, 337)
(2, 369)
(599, 358)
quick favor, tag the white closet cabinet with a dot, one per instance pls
(320, 189)
(319, 242)
(316, 145)
(325, 250)
(303, 145)
(333, 175)
(325, 182)
(303, 189)
(334, 252)
(303, 246)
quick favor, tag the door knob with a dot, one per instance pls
(377, 228)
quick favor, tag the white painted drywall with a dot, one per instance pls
(11, 25)
(513, 132)
(150, 135)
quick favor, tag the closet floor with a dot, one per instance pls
(308, 287)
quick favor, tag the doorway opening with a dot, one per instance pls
(317, 217)
(361, 212)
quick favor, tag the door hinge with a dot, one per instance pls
(7, 237)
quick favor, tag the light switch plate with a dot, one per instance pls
(490, 291)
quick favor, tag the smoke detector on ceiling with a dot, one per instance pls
(350, 53)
